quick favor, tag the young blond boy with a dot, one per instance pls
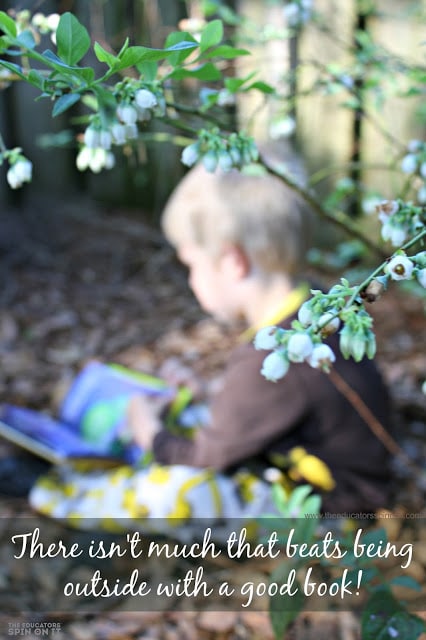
(243, 238)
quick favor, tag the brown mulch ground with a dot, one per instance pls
(78, 284)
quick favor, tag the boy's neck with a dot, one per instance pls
(265, 299)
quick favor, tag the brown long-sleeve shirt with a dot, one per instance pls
(253, 418)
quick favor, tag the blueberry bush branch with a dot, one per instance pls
(120, 109)
(343, 308)
(338, 218)
(139, 84)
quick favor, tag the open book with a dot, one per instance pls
(92, 418)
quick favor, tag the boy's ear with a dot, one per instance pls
(236, 261)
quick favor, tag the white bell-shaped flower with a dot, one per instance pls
(400, 268)
(322, 357)
(395, 234)
(409, 163)
(145, 99)
(265, 338)
(421, 277)
(299, 347)
(275, 366)
(190, 155)
(127, 113)
(83, 158)
(19, 172)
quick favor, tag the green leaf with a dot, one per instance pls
(352, 103)
(174, 40)
(135, 55)
(90, 100)
(106, 99)
(412, 91)
(132, 56)
(104, 56)
(148, 70)
(262, 86)
(212, 34)
(312, 505)
(281, 616)
(14, 68)
(26, 40)
(123, 48)
(375, 537)
(297, 497)
(36, 79)
(279, 497)
(207, 72)
(4, 43)
(283, 609)
(178, 36)
(183, 44)
(13, 52)
(406, 581)
(208, 100)
(65, 102)
(73, 40)
(418, 75)
(384, 618)
(234, 84)
(229, 16)
(368, 575)
(209, 7)
(227, 52)
(85, 74)
(305, 529)
(7, 25)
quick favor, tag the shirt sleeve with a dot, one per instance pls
(248, 415)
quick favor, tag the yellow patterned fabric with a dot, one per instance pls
(155, 498)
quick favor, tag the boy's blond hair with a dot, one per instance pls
(256, 212)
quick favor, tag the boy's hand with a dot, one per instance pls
(143, 418)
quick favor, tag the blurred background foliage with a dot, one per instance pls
(352, 80)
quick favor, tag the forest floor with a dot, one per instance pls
(80, 284)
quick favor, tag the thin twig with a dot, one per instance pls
(370, 419)
(338, 218)
(417, 238)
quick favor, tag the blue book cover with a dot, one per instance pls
(92, 418)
